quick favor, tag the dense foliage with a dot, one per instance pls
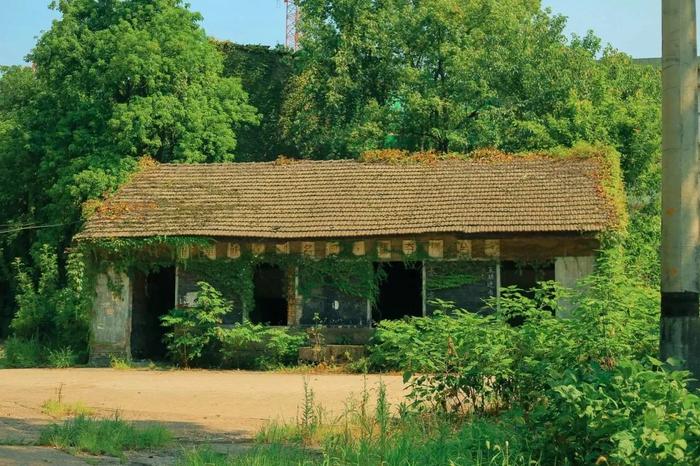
(195, 335)
(264, 73)
(447, 75)
(454, 76)
(51, 326)
(112, 81)
(117, 80)
(584, 389)
(255, 346)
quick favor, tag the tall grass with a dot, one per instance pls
(103, 436)
(266, 455)
(382, 434)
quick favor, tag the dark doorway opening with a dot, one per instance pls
(154, 296)
(270, 293)
(400, 292)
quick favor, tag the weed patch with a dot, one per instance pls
(103, 436)
(58, 409)
(378, 433)
(119, 363)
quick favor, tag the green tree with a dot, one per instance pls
(18, 160)
(264, 73)
(449, 75)
(113, 81)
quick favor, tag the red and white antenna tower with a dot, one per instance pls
(292, 35)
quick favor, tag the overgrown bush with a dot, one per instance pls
(52, 311)
(637, 413)
(196, 335)
(256, 346)
(191, 329)
(468, 361)
(586, 386)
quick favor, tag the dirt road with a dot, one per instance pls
(196, 404)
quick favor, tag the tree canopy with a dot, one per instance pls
(449, 75)
(264, 73)
(113, 81)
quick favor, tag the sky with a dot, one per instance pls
(633, 26)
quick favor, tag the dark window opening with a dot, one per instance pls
(153, 297)
(400, 292)
(270, 293)
(525, 275)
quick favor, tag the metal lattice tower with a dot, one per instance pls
(292, 35)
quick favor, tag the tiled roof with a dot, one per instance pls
(340, 199)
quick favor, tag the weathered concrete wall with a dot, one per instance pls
(568, 271)
(111, 318)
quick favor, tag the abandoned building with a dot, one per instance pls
(343, 243)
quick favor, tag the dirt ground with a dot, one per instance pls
(197, 405)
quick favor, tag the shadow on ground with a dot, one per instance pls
(19, 438)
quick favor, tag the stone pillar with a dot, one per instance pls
(680, 223)
(294, 300)
(568, 271)
(111, 318)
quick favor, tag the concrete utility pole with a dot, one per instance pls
(680, 232)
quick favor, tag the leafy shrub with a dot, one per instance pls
(467, 361)
(191, 329)
(256, 346)
(51, 313)
(585, 396)
(23, 353)
(633, 414)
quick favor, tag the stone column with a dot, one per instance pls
(568, 271)
(680, 224)
(111, 318)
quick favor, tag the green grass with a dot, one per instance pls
(375, 435)
(264, 455)
(103, 436)
(60, 409)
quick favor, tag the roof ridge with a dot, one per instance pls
(481, 161)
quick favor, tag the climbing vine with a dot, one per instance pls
(234, 277)
(446, 275)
